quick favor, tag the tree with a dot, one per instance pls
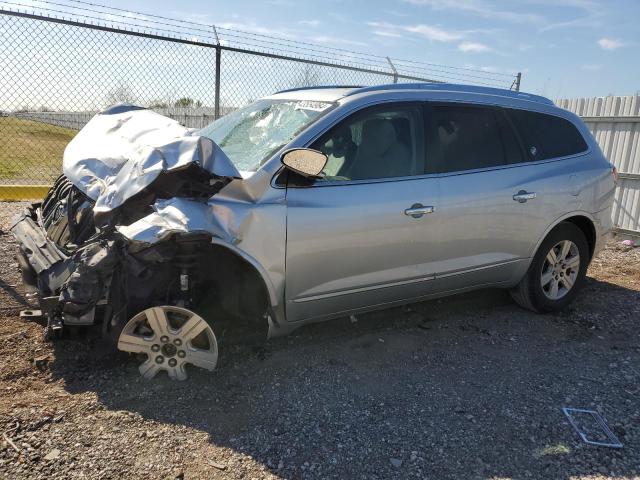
(121, 94)
(158, 104)
(187, 102)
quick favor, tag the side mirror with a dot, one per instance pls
(304, 161)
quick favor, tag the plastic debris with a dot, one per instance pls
(628, 243)
(591, 427)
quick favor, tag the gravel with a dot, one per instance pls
(464, 387)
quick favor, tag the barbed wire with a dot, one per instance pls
(337, 49)
(131, 20)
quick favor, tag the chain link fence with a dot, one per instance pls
(57, 73)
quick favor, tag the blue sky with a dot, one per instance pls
(565, 48)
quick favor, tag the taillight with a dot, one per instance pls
(614, 173)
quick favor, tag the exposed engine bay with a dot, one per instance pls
(84, 273)
(78, 258)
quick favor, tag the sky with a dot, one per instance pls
(564, 48)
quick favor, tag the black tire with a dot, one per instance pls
(529, 292)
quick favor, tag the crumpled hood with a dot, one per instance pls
(125, 149)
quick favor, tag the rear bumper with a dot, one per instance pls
(603, 227)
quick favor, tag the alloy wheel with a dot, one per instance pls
(560, 269)
(171, 337)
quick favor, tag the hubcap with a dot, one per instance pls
(171, 337)
(560, 269)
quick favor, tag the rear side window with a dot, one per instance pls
(464, 138)
(547, 136)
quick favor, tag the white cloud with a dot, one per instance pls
(386, 33)
(610, 44)
(473, 47)
(253, 27)
(337, 41)
(309, 23)
(434, 33)
(429, 32)
(481, 8)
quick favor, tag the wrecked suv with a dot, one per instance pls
(311, 204)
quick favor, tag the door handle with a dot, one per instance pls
(417, 210)
(522, 196)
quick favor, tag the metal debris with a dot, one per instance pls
(605, 437)
(31, 314)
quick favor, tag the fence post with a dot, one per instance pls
(217, 99)
(393, 69)
(518, 79)
(218, 61)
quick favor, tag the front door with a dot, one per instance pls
(362, 236)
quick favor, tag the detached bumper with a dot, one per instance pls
(45, 268)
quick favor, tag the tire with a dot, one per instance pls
(535, 291)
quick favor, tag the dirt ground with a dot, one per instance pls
(465, 387)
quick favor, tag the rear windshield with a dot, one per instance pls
(547, 136)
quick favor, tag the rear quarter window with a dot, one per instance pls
(547, 136)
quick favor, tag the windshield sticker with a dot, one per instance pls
(311, 105)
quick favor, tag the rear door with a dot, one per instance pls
(490, 205)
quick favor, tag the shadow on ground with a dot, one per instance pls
(465, 387)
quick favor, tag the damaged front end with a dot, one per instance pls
(84, 270)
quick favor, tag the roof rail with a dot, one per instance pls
(318, 88)
(454, 87)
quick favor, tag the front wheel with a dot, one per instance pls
(557, 271)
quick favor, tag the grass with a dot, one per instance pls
(31, 152)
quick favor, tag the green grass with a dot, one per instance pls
(31, 152)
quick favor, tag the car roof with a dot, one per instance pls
(321, 94)
(335, 93)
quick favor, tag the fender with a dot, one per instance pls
(268, 285)
(555, 223)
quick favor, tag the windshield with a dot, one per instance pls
(251, 135)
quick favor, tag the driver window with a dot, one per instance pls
(376, 143)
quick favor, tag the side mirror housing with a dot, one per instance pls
(304, 161)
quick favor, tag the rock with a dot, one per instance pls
(52, 455)
(217, 465)
(41, 363)
(396, 462)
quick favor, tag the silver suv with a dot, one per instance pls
(311, 204)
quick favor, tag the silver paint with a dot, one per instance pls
(340, 247)
(123, 150)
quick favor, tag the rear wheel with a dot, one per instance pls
(557, 271)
